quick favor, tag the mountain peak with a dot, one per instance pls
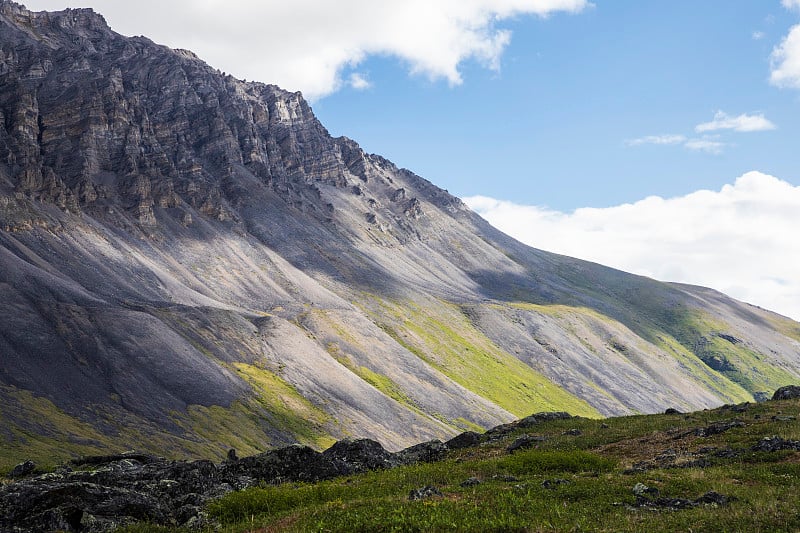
(84, 22)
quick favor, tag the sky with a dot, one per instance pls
(658, 137)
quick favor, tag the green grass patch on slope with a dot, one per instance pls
(286, 408)
(379, 381)
(441, 335)
(720, 383)
(576, 481)
(712, 342)
(34, 428)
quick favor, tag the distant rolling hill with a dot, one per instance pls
(190, 262)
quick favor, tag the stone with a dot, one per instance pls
(424, 493)
(714, 498)
(498, 432)
(775, 443)
(537, 418)
(646, 497)
(718, 427)
(552, 484)
(424, 452)
(640, 489)
(292, 463)
(524, 442)
(470, 482)
(468, 439)
(351, 456)
(23, 469)
(101, 492)
(789, 392)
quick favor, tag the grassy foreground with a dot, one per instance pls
(579, 477)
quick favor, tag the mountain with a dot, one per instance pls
(190, 262)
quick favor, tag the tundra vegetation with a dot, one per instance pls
(734, 468)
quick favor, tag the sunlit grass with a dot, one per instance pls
(565, 483)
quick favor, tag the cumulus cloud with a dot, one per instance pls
(741, 240)
(785, 61)
(742, 123)
(657, 139)
(785, 58)
(309, 45)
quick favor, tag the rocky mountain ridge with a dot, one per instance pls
(183, 253)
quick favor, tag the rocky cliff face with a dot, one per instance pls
(183, 253)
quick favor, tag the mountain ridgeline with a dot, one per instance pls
(190, 263)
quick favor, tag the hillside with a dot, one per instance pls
(190, 263)
(734, 468)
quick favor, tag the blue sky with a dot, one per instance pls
(550, 127)
(656, 136)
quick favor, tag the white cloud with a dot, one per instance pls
(785, 60)
(359, 82)
(742, 123)
(309, 45)
(791, 4)
(741, 239)
(657, 139)
(705, 144)
(758, 35)
(709, 143)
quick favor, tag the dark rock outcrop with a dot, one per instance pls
(467, 439)
(709, 498)
(718, 427)
(524, 442)
(23, 469)
(134, 487)
(424, 452)
(775, 444)
(537, 418)
(789, 392)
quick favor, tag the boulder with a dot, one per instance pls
(23, 469)
(424, 452)
(524, 442)
(351, 456)
(468, 439)
(423, 493)
(789, 392)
